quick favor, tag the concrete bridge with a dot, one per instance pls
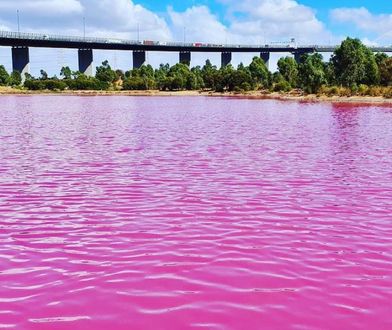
(21, 42)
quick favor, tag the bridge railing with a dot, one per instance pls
(89, 40)
(36, 36)
(42, 37)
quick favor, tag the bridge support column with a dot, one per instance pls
(298, 56)
(139, 58)
(226, 59)
(185, 58)
(265, 56)
(86, 61)
(21, 60)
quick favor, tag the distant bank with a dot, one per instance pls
(293, 96)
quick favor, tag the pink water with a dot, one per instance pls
(194, 213)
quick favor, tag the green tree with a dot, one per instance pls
(280, 83)
(15, 78)
(44, 75)
(105, 73)
(142, 78)
(28, 76)
(4, 76)
(147, 71)
(330, 73)
(354, 64)
(120, 74)
(135, 83)
(372, 71)
(241, 79)
(66, 72)
(380, 58)
(76, 74)
(385, 68)
(179, 74)
(195, 79)
(161, 75)
(259, 72)
(34, 84)
(311, 73)
(83, 82)
(223, 78)
(288, 68)
(209, 73)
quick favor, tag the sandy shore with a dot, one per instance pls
(249, 95)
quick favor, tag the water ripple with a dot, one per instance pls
(182, 213)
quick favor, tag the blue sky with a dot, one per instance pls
(226, 11)
(215, 21)
(321, 8)
(377, 6)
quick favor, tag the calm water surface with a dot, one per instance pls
(194, 213)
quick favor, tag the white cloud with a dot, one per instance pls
(123, 18)
(249, 22)
(275, 20)
(104, 18)
(364, 20)
(114, 18)
(42, 7)
(4, 26)
(199, 23)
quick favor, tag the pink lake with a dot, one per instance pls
(194, 213)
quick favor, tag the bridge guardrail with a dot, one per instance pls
(36, 36)
(271, 45)
(41, 37)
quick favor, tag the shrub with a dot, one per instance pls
(282, 86)
(4, 76)
(34, 85)
(354, 89)
(54, 85)
(344, 92)
(245, 86)
(83, 82)
(363, 90)
(388, 93)
(15, 78)
(375, 91)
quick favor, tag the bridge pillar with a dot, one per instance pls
(298, 56)
(226, 59)
(185, 58)
(21, 60)
(86, 61)
(265, 56)
(139, 58)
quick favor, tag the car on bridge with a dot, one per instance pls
(114, 41)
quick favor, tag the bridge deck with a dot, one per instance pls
(16, 39)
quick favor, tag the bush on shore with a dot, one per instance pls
(50, 84)
(361, 90)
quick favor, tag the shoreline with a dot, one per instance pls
(257, 95)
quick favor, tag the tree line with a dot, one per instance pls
(352, 69)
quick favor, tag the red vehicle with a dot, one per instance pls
(197, 44)
(148, 42)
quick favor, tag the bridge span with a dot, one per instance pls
(21, 42)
